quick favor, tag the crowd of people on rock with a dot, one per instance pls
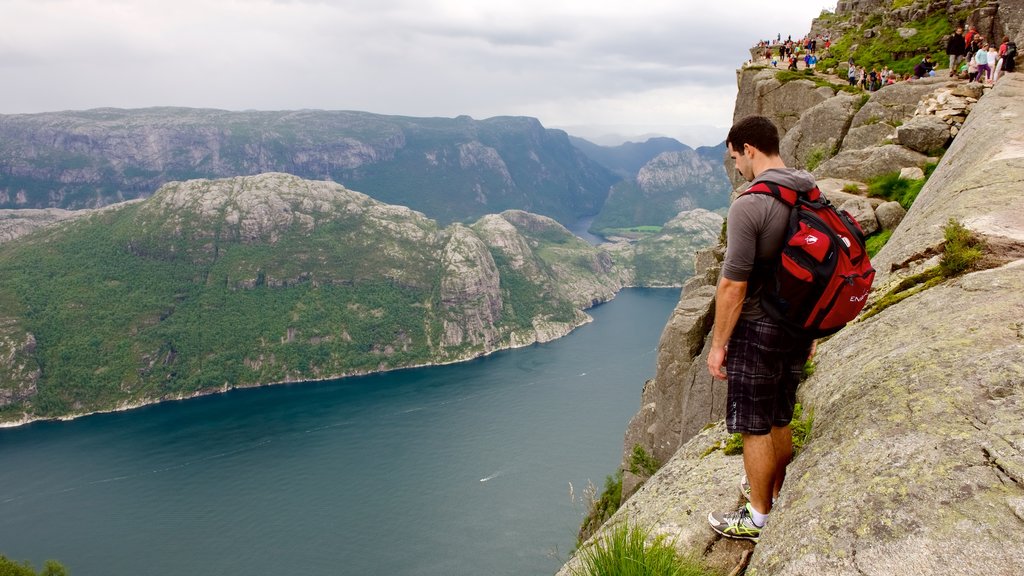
(791, 52)
(970, 57)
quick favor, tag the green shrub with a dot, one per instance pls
(602, 508)
(9, 567)
(641, 463)
(625, 551)
(892, 187)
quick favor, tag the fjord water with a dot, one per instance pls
(443, 471)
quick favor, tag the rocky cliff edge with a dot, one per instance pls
(915, 461)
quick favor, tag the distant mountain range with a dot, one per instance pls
(451, 169)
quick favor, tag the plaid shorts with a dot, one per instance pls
(763, 366)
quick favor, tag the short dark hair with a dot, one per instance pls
(757, 131)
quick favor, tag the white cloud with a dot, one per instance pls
(655, 62)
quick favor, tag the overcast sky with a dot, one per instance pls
(634, 67)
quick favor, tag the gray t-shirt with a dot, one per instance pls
(755, 229)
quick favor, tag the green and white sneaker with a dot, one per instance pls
(745, 487)
(737, 524)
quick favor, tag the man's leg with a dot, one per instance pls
(759, 464)
(765, 457)
(782, 440)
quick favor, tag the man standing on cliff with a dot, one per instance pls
(956, 48)
(762, 362)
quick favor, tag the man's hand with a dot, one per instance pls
(716, 359)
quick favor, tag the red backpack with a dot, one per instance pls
(823, 278)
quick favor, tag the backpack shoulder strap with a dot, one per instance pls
(785, 195)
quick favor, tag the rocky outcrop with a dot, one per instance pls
(682, 397)
(214, 284)
(667, 184)
(469, 277)
(916, 455)
(16, 223)
(923, 134)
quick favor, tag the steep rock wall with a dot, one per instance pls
(916, 457)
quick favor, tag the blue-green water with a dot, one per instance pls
(443, 471)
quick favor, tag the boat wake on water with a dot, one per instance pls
(493, 476)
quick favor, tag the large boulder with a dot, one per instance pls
(819, 131)
(869, 136)
(870, 162)
(890, 215)
(863, 213)
(923, 133)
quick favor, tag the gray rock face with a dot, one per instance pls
(975, 184)
(16, 223)
(890, 215)
(870, 162)
(929, 417)
(682, 398)
(761, 93)
(912, 173)
(923, 133)
(819, 131)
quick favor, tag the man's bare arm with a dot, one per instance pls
(728, 304)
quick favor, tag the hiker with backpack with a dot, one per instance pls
(780, 233)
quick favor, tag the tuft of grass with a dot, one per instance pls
(733, 446)
(875, 242)
(851, 189)
(628, 550)
(961, 250)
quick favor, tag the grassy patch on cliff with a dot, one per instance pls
(629, 550)
(891, 187)
(601, 508)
